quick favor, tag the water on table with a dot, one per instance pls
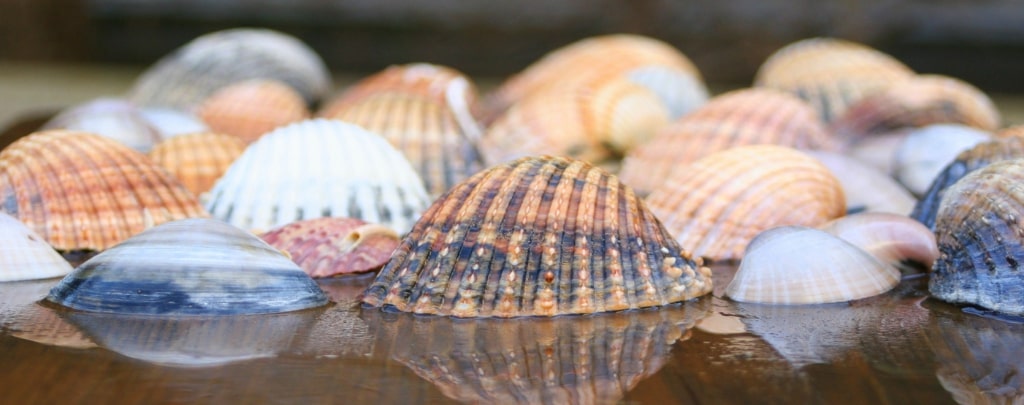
(896, 348)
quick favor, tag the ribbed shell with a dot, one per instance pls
(742, 117)
(24, 255)
(190, 74)
(866, 188)
(81, 191)
(426, 112)
(539, 236)
(318, 168)
(189, 267)
(199, 159)
(978, 231)
(967, 161)
(252, 108)
(926, 151)
(113, 118)
(716, 205)
(831, 74)
(326, 247)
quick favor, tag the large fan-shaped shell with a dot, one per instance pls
(190, 74)
(318, 168)
(199, 159)
(252, 108)
(716, 205)
(113, 118)
(979, 235)
(539, 236)
(326, 247)
(81, 191)
(829, 73)
(866, 188)
(741, 117)
(926, 151)
(24, 255)
(189, 267)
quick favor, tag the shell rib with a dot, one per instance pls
(326, 247)
(716, 205)
(252, 108)
(24, 255)
(538, 236)
(113, 118)
(199, 159)
(318, 168)
(866, 188)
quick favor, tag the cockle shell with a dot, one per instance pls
(866, 188)
(979, 235)
(326, 247)
(716, 205)
(199, 159)
(425, 111)
(251, 108)
(110, 117)
(24, 255)
(189, 267)
(190, 74)
(318, 168)
(925, 151)
(798, 265)
(741, 117)
(890, 238)
(539, 236)
(81, 191)
(831, 74)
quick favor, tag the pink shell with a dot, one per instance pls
(326, 247)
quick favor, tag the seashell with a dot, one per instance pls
(797, 265)
(866, 188)
(198, 159)
(890, 238)
(977, 229)
(113, 118)
(924, 153)
(918, 101)
(190, 267)
(190, 74)
(425, 111)
(170, 123)
(24, 255)
(740, 117)
(318, 168)
(251, 108)
(326, 247)
(84, 192)
(645, 61)
(879, 151)
(1011, 131)
(539, 236)
(716, 205)
(829, 73)
(967, 161)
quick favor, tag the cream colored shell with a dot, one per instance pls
(24, 255)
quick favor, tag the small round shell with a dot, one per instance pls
(926, 151)
(198, 159)
(890, 238)
(113, 118)
(326, 247)
(539, 236)
(252, 108)
(24, 255)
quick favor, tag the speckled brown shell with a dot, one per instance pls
(252, 108)
(539, 236)
(199, 159)
(326, 247)
(81, 191)
(742, 117)
(829, 73)
(715, 206)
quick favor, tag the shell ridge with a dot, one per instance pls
(109, 184)
(21, 175)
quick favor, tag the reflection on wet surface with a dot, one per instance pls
(896, 348)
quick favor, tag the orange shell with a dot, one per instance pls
(81, 191)
(199, 159)
(715, 206)
(749, 116)
(252, 108)
(326, 247)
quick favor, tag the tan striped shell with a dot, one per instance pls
(81, 191)
(715, 206)
(198, 159)
(252, 108)
(749, 116)
(24, 255)
(539, 236)
(830, 73)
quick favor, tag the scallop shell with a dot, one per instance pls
(113, 118)
(199, 159)
(24, 255)
(326, 247)
(892, 239)
(190, 74)
(539, 236)
(426, 112)
(831, 74)
(866, 188)
(189, 267)
(740, 117)
(252, 108)
(716, 205)
(967, 161)
(796, 265)
(81, 191)
(318, 168)
(978, 232)
(977, 359)
(921, 157)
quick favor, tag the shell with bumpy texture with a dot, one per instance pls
(716, 205)
(252, 108)
(318, 168)
(326, 247)
(540, 236)
(24, 255)
(926, 151)
(199, 159)
(113, 118)
(866, 188)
